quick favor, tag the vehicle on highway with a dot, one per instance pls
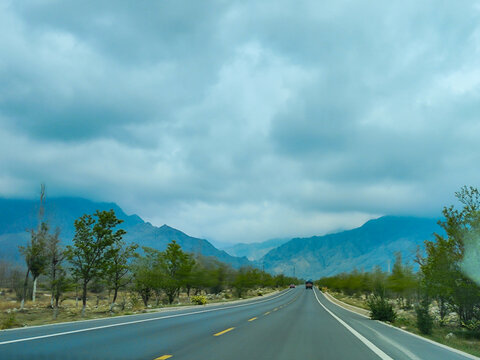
(309, 284)
(292, 286)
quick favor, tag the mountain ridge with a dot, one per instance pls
(20, 215)
(373, 243)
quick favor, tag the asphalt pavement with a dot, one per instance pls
(294, 324)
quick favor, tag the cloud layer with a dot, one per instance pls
(242, 120)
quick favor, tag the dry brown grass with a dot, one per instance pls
(98, 306)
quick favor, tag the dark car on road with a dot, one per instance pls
(309, 284)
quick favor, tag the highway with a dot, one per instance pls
(293, 324)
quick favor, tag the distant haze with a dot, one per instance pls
(241, 121)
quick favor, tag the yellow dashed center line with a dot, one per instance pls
(254, 318)
(268, 312)
(224, 331)
(163, 357)
(275, 309)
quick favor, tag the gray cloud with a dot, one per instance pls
(240, 121)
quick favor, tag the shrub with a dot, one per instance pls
(381, 309)
(473, 326)
(9, 321)
(198, 299)
(424, 319)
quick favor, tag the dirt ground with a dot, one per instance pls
(98, 306)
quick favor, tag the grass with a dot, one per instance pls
(98, 306)
(406, 320)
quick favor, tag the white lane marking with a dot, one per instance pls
(407, 352)
(346, 307)
(137, 321)
(363, 339)
(446, 347)
(467, 355)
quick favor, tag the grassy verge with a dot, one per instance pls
(459, 339)
(40, 312)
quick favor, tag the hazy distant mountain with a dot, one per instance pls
(372, 244)
(254, 251)
(17, 216)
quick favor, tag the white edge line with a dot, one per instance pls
(148, 312)
(363, 339)
(327, 296)
(136, 321)
(460, 352)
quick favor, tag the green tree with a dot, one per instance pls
(402, 282)
(35, 258)
(446, 270)
(176, 267)
(56, 272)
(34, 252)
(147, 274)
(118, 267)
(93, 247)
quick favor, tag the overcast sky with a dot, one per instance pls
(242, 120)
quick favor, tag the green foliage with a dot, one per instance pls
(450, 268)
(381, 309)
(34, 253)
(424, 319)
(473, 326)
(198, 299)
(167, 272)
(93, 247)
(176, 267)
(118, 266)
(9, 321)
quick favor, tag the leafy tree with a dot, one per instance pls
(438, 270)
(144, 277)
(402, 282)
(35, 258)
(176, 267)
(56, 273)
(93, 247)
(118, 267)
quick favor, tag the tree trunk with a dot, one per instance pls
(76, 295)
(115, 294)
(84, 299)
(34, 289)
(25, 285)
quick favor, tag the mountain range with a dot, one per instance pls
(253, 251)
(374, 243)
(18, 216)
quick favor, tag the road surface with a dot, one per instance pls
(294, 324)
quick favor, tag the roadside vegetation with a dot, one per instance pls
(99, 274)
(441, 300)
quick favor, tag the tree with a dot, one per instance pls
(447, 270)
(147, 274)
(58, 282)
(93, 247)
(34, 253)
(118, 267)
(176, 267)
(438, 273)
(402, 282)
(35, 258)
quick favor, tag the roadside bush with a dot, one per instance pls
(198, 299)
(424, 319)
(473, 326)
(381, 309)
(9, 321)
